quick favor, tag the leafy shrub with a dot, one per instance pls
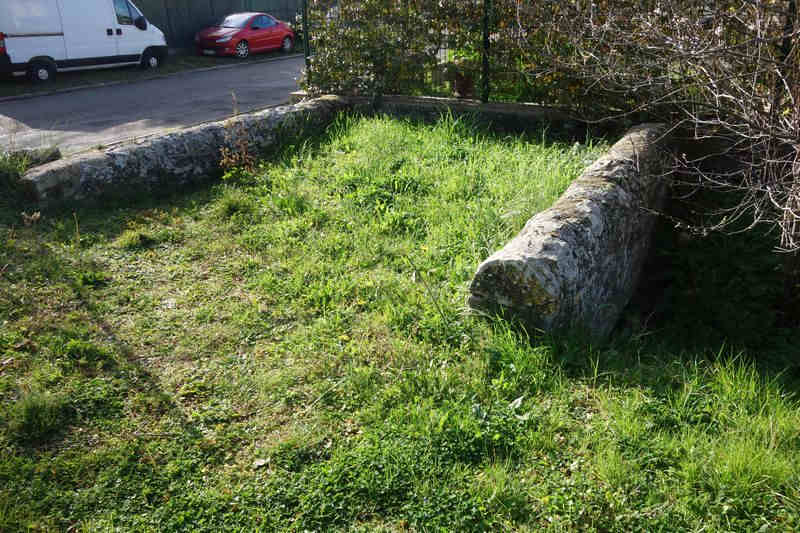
(384, 46)
(415, 47)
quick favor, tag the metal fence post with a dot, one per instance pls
(170, 26)
(487, 9)
(306, 41)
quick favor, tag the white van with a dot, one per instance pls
(42, 37)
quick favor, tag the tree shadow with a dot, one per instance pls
(76, 333)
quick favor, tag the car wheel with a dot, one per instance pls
(41, 71)
(150, 60)
(242, 50)
(287, 45)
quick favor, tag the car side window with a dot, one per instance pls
(123, 12)
(265, 22)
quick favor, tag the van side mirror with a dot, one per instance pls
(141, 23)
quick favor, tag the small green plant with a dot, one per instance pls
(93, 279)
(134, 239)
(86, 353)
(37, 417)
(12, 167)
(235, 203)
(291, 203)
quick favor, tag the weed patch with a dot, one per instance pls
(12, 167)
(37, 417)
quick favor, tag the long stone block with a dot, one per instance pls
(575, 266)
(177, 158)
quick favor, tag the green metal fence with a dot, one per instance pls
(180, 19)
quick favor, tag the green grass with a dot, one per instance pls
(177, 63)
(290, 350)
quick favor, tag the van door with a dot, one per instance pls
(131, 41)
(88, 32)
(32, 28)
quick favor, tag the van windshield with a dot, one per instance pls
(135, 11)
(234, 21)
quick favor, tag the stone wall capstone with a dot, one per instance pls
(575, 266)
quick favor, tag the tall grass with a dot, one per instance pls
(12, 167)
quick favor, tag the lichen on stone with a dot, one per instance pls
(576, 264)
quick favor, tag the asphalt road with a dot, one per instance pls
(88, 118)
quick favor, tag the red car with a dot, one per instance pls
(240, 34)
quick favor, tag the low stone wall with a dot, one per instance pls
(498, 111)
(501, 115)
(575, 266)
(193, 154)
(177, 158)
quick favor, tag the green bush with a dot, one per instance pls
(415, 47)
(385, 46)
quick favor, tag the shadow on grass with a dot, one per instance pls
(83, 344)
(80, 341)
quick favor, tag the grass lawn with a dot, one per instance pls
(290, 350)
(177, 63)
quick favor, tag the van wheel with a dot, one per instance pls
(41, 72)
(150, 60)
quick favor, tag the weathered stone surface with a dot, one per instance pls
(176, 158)
(497, 113)
(575, 266)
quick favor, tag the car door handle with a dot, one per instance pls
(109, 31)
(119, 31)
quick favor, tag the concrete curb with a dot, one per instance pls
(28, 96)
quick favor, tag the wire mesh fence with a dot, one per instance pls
(466, 48)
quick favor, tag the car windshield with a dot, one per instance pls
(234, 21)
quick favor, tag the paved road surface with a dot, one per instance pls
(83, 119)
